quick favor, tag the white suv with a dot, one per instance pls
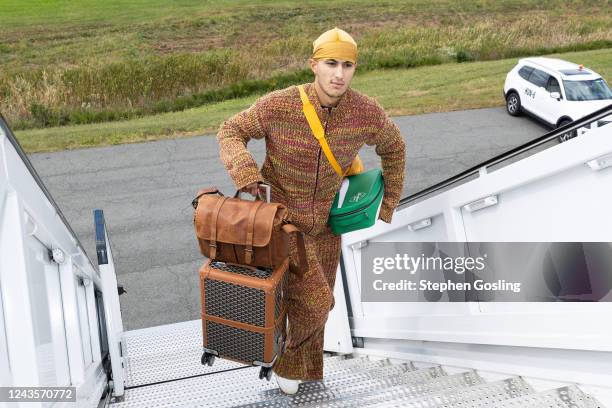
(555, 91)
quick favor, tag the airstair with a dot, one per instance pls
(60, 320)
(163, 370)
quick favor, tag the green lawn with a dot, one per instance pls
(17, 13)
(402, 92)
(86, 61)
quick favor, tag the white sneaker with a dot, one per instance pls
(287, 385)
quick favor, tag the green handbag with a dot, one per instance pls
(358, 202)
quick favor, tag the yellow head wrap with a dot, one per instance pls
(335, 44)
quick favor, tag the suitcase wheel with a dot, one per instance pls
(208, 359)
(265, 372)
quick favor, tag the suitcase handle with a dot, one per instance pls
(212, 190)
(260, 185)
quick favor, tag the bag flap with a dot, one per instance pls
(233, 219)
(357, 192)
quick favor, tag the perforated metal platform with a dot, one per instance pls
(563, 397)
(479, 396)
(163, 369)
(166, 353)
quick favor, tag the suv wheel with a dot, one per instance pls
(513, 104)
(568, 135)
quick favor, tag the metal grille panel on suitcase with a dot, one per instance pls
(234, 302)
(228, 297)
(235, 343)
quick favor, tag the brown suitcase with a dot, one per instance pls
(243, 318)
(244, 232)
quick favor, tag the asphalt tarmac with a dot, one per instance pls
(145, 190)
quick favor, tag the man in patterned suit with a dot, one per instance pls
(303, 180)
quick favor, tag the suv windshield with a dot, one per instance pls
(587, 90)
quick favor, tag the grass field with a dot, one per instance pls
(401, 91)
(85, 61)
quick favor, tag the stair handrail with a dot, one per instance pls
(112, 310)
(547, 137)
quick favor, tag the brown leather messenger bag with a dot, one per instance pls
(247, 232)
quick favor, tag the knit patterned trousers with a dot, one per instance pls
(308, 300)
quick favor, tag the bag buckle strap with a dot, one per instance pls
(213, 226)
(248, 251)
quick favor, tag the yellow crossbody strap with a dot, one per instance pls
(317, 130)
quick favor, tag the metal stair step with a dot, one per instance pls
(361, 367)
(384, 369)
(477, 396)
(201, 391)
(363, 370)
(334, 388)
(347, 364)
(144, 370)
(158, 364)
(337, 357)
(167, 353)
(160, 339)
(319, 393)
(562, 397)
(172, 352)
(220, 388)
(411, 389)
(352, 362)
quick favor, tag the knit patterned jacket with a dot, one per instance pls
(295, 166)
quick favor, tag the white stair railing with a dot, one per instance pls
(112, 311)
(49, 327)
(560, 194)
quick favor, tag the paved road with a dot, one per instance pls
(145, 190)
